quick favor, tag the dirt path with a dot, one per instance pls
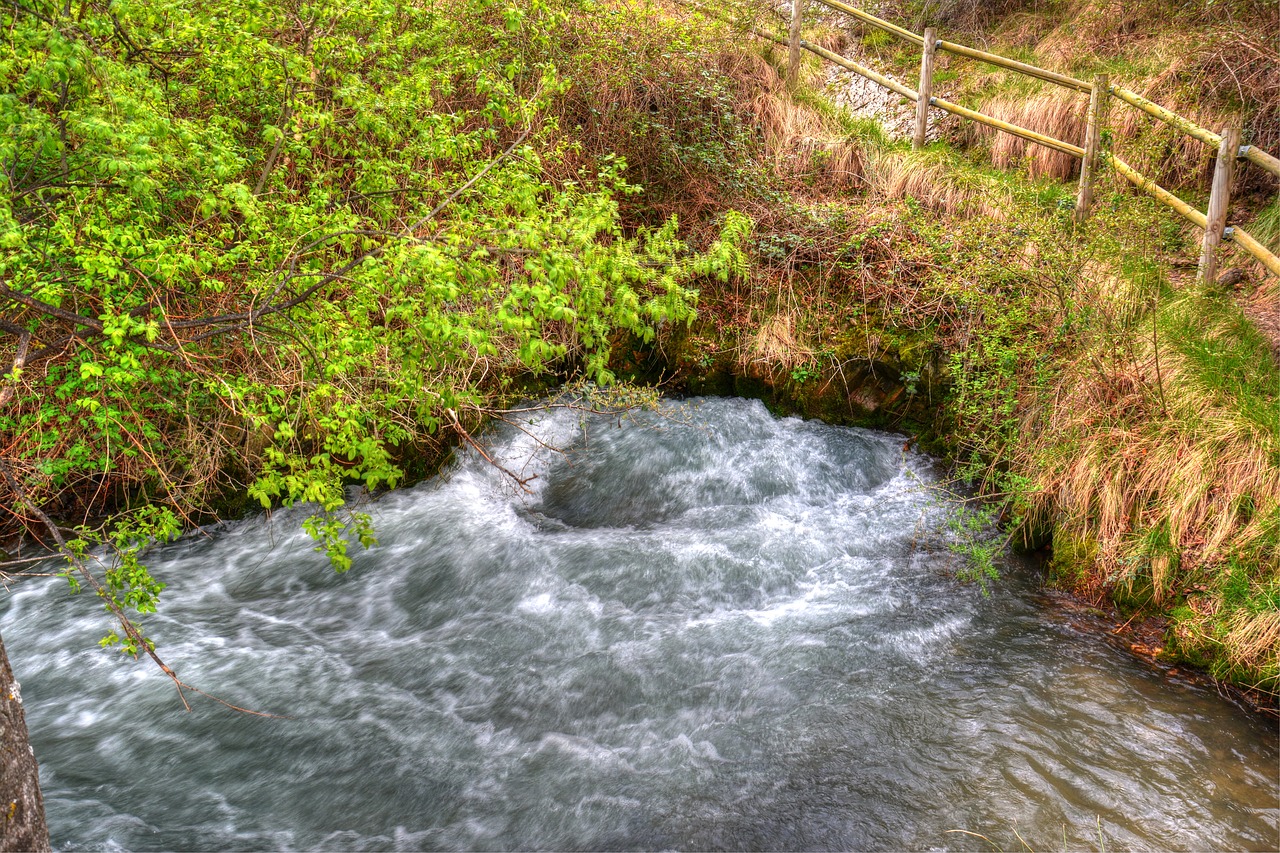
(1263, 310)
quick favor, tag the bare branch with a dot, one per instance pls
(523, 482)
(7, 393)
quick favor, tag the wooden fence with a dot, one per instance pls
(1229, 150)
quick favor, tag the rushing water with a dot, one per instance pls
(715, 630)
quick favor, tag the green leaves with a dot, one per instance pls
(278, 252)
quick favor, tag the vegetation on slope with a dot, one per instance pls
(274, 250)
(1156, 459)
(1105, 403)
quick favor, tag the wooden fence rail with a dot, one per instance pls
(1100, 91)
(911, 94)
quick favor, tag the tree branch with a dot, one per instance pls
(6, 394)
(130, 629)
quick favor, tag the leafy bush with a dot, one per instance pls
(278, 248)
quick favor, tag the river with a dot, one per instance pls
(707, 628)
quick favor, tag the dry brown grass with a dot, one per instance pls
(832, 39)
(775, 345)
(1253, 643)
(935, 186)
(803, 146)
(1024, 29)
(1142, 458)
(1193, 486)
(1206, 62)
(1058, 113)
(1101, 28)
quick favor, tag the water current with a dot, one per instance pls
(705, 629)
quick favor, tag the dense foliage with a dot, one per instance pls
(280, 248)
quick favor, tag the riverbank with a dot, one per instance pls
(289, 294)
(878, 397)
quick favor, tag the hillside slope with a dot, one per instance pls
(1109, 407)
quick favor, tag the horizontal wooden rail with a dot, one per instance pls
(1208, 137)
(1241, 237)
(1252, 153)
(1256, 155)
(912, 95)
(1014, 65)
(1015, 130)
(887, 82)
(1246, 241)
(878, 23)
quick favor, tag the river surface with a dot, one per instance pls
(713, 629)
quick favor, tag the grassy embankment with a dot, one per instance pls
(179, 181)
(1106, 404)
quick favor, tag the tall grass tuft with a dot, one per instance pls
(1160, 460)
(1056, 113)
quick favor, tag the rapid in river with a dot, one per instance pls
(703, 628)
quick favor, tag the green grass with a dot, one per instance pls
(1231, 361)
(1265, 228)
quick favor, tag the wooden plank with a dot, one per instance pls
(927, 54)
(1219, 202)
(878, 23)
(1246, 241)
(793, 51)
(1156, 191)
(1092, 142)
(1016, 130)
(1013, 65)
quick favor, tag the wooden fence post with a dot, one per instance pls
(1219, 200)
(1092, 143)
(793, 52)
(926, 87)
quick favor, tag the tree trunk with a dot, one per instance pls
(22, 825)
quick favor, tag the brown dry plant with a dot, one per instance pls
(775, 345)
(1159, 472)
(935, 186)
(1057, 113)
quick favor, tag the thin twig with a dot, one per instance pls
(19, 359)
(130, 629)
(523, 482)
